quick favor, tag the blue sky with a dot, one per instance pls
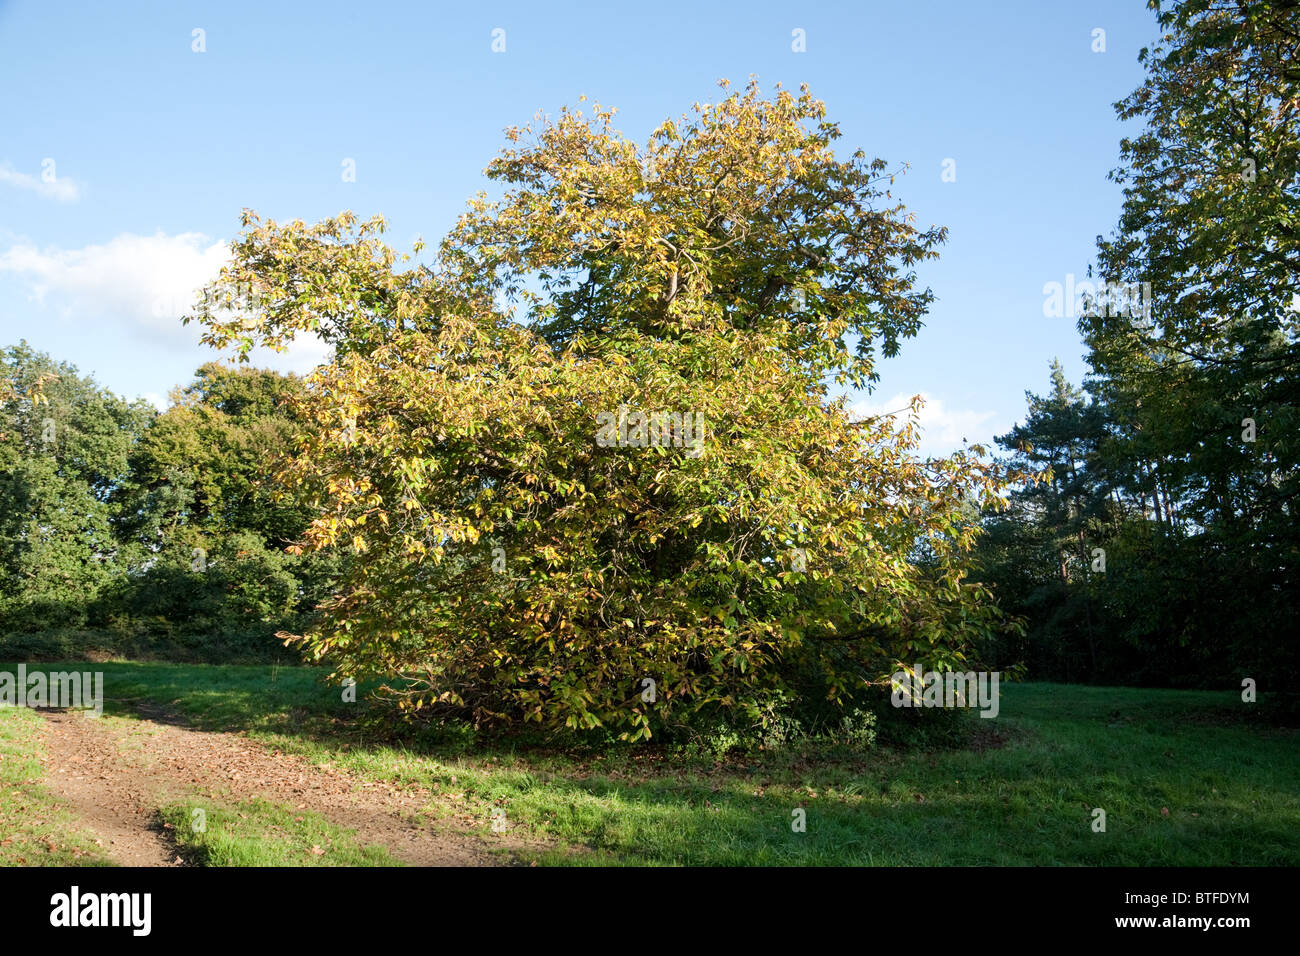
(156, 149)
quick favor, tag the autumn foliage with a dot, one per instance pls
(506, 565)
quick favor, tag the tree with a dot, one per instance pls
(588, 469)
(204, 533)
(1204, 382)
(64, 451)
(202, 463)
(1039, 552)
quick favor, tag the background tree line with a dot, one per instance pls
(1180, 457)
(124, 529)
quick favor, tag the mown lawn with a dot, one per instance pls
(1185, 778)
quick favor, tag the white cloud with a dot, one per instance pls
(61, 188)
(145, 283)
(147, 280)
(943, 429)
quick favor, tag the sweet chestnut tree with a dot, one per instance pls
(509, 566)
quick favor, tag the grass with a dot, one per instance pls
(34, 831)
(1184, 777)
(262, 833)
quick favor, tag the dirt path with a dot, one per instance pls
(114, 775)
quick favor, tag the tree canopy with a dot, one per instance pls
(501, 441)
(1188, 449)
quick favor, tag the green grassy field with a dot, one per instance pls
(1184, 777)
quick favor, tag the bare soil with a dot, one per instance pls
(114, 775)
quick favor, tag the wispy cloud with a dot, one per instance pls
(60, 187)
